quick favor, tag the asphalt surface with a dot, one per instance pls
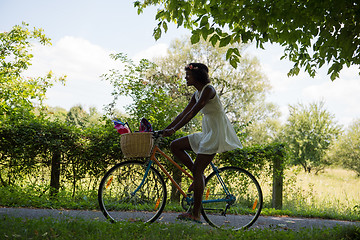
(263, 221)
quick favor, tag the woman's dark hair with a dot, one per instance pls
(200, 72)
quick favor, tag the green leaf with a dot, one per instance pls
(195, 37)
(204, 21)
(225, 41)
(204, 33)
(229, 53)
(164, 24)
(237, 52)
(214, 39)
(159, 14)
(180, 21)
(234, 60)
(157, 33)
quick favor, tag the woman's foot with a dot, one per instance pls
(188, 217)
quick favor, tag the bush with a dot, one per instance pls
(256, 159)
(29, 145)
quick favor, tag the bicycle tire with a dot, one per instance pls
(246, 206)
(115, 197)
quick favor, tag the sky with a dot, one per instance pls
(85, 32)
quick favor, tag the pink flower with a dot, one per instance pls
(191, 67)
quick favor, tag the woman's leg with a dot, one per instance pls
(178, 148)
(201, 162)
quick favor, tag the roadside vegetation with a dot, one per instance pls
(333, 194)
(53, 158)
(82, 229)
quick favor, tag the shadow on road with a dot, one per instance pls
(263, 221)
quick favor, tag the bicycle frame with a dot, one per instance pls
(135, 190)
(153, 158)
(156, 149)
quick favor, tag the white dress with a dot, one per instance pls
(217, 134)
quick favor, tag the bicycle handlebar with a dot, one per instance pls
(157, 134)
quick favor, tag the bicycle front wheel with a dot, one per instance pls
(232, 199)
(125, 195)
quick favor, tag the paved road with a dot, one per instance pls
(262, 222)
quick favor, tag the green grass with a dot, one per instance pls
(333, 194)
(29, 197)
(15, 228)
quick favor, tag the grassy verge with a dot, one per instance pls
(15, 228)
(27, 197)
(333, 194)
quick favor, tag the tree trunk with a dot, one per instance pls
(3, 183)
(175, 194)
(74, 178)
(55, 173)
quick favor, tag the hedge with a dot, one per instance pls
(71, 154)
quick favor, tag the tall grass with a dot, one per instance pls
(334, 193)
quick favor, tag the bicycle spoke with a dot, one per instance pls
(238, 210)
(124, 194)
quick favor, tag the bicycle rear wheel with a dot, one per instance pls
(237, 209)
(121, 199)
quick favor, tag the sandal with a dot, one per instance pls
(188, 217)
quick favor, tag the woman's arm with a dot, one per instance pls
(183, 113)
(191, 110)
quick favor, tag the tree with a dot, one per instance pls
(152, 98)
(242, 91)
(77, 116)
(159, 89)
(312, 32)
(56, 114)
(18, 91)
(309, 131)
(264, 131)
(346, 151)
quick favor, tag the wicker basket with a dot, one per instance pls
(138, 144)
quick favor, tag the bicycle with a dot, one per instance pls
(135, 191)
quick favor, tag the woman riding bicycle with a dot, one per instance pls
(217, 134)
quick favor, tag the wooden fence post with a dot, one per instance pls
(55, 173)
(278, 174)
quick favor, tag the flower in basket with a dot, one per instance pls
(120, 127)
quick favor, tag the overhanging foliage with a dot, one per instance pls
(313, 32)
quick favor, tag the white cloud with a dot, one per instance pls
(341, 96)
(75, 57)
(157, 50)
(343, 90)
(83, 63)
